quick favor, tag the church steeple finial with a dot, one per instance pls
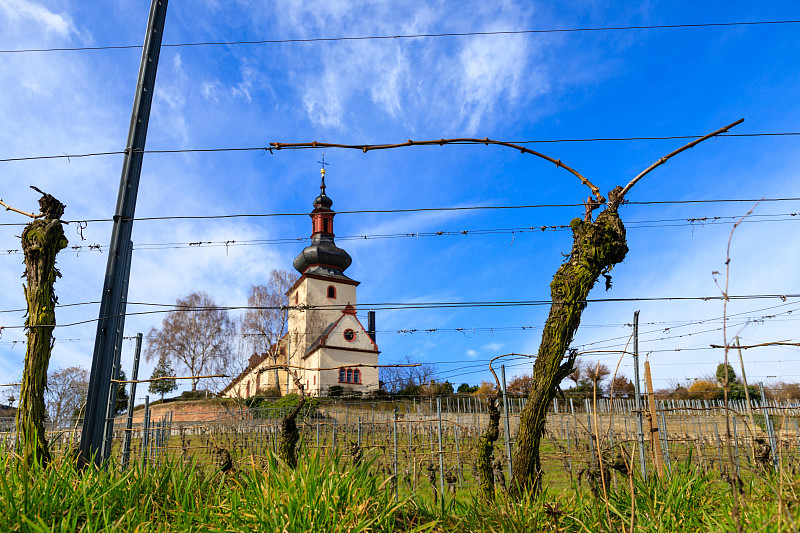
(322, 200)
(322, 172)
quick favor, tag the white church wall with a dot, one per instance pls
(331, 357)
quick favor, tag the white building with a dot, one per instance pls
(325, 343)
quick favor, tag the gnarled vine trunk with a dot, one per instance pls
(290, 436)
(486, 450)
(42, 239)
(597, 246)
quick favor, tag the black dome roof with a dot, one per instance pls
(322, 251)
(322, 201)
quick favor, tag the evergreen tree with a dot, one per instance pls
(721, 374)
(122, 394)
(163, 386)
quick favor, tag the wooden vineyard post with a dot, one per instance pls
(655, 444)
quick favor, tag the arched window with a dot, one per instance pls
(315, 379)
(356, 376)
(349, 375)
(325, 225)
(331, 291)
(342, 375)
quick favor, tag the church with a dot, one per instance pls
(325, 343)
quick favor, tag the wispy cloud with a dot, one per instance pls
(465, 81)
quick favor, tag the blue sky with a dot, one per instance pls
(657, 82)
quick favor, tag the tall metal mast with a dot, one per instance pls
(110, 325)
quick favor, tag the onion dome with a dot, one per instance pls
(322, 253)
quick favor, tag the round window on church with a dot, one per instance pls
(349, 335)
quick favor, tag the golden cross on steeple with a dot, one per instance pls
(322, 171)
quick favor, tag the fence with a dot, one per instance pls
(432, 441)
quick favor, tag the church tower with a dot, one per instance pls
(325, 338)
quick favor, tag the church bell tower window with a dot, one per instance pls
(331, 292)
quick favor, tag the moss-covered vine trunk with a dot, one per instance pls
(290, 436)
(42, 239)
(486, 450)
(597, 246)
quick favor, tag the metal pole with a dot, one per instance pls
(746, 390)
(665, 441)
(126, 439)
(111, 406)
(396, 484)
(112, 320)
(288, 360)
(637, 392)
(770, 429)
(457, 437)
(145, 430)
(506, 429)
(441, 451)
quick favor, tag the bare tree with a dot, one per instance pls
(392, 379)
(408, 379)
(197, 336)
(622, 387)
(577, 372)
(265, 322)
(597, 373)
(520, 385)
(65, 394)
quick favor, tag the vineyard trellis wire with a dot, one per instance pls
(420, 449)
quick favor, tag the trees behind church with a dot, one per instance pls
(412, 380)
(265, 321)
(197, 337)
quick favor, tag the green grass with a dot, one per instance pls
(330, 495)
(320, 495)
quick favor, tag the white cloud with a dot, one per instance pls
(472, 354)
(493, 346)
(323, 101)
(40, 15)
(243, 88)
(211, 90)
(490, 71)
